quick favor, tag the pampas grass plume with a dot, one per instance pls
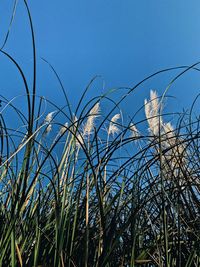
(93, 114)
(112, 127)
(49, 117)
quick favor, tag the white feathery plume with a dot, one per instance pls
(113, 128)
(48, 129)
(168, 139)
(154, 101)
(79, 140)
(171, 144)
(88, 127)
(176, 154)
(93, 114)
(134, 131)
(49, 117)
(63, 129)
(75, 123)
(178, 149)
(168, 131)
(167, 127)
(152, 108)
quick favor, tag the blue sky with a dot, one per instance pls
(122, 40)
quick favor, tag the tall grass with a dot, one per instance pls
(98, 189)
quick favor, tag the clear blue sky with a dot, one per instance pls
(122, 40)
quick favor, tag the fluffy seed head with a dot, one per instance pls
(134, 131)
(79, 140)
(49, 117)
(63, 129)
(168, 130)
(93, 114)
(113, 128)
(48, 129)
(152, 110)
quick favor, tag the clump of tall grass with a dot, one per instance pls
(95, 197)
(96, 188)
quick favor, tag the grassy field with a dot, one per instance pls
(98, 188)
